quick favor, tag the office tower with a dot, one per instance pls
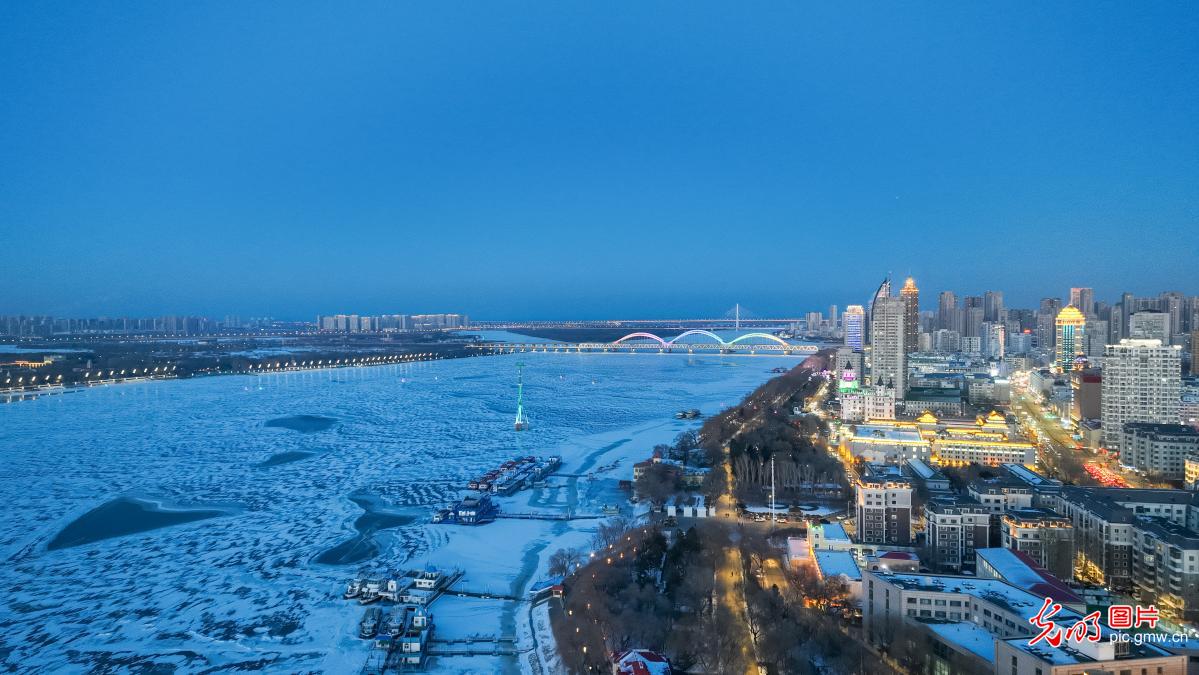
(832, 317)
(1126, 310)
(911, 315)
(814, 320)
(993, 306)
(1098, 337)
(1045, 322)
(1142, 382)
(1083, 299)
(888, 355)
(854, 323)
(974, 322)
(1070, 341)
(1171, 302)
(1150, 325)
(946, 303)
(993, 340)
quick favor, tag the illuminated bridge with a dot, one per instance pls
(687, 342)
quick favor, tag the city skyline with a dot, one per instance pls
(169, 160)
(930, 302)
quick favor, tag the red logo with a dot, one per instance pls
(1085, 629)
(1119, 617)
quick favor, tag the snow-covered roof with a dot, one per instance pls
(1016, 568)
(831, 531)
(833, 563)
(641, 662)
(1000, 593)
(970, 636)
(797, 547)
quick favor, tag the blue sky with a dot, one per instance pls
(590, 160)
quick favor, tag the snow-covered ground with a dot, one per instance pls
(241, 589)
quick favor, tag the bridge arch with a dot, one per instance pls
(714, 336)
(767, 336)
(651, 336)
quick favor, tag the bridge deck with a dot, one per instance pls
(646, 348)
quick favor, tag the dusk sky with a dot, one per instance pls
(590, 160)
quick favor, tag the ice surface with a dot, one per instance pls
(243, 589)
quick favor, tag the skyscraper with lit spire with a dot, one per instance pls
(1071, 338)
(911, 315)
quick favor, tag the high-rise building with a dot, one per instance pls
(911, 315)
(884, 506)
(1142, 382)
(993, 306)
(832, 317)
(946, 303)
(888, 356)
(1070, 341)
(1045, 322)
(814, 320)
(974, 322)
(1083, 299)
(993, 340)
(854, 325)
(1150, 324)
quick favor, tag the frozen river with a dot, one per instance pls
(189, 524)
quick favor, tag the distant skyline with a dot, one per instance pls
(585, 162)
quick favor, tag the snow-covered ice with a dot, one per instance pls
(241, 587)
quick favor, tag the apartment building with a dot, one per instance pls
(955, 527)
(1158, 449)
(883, 497)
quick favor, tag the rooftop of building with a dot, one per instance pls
(934, 394)
(1066, 655)
(967, 635)
(1018, 569)
(883, 471)
(923, 471)
(1156, 431)
(1027, 475)
(997, 485)
(997, 592)
(833, 563)
(1169, 532)
(887, 432)
(1030, 515)
(1109, 503)
(830, 532)
(950, 504)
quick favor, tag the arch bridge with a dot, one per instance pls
(644, 342)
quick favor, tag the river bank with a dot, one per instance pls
(292, 457)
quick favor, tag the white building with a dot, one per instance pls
(1149, 325)
(1142, 382)
(993, 340)
(888, 357)
(872, 403)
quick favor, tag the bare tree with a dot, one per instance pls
(564, 561)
